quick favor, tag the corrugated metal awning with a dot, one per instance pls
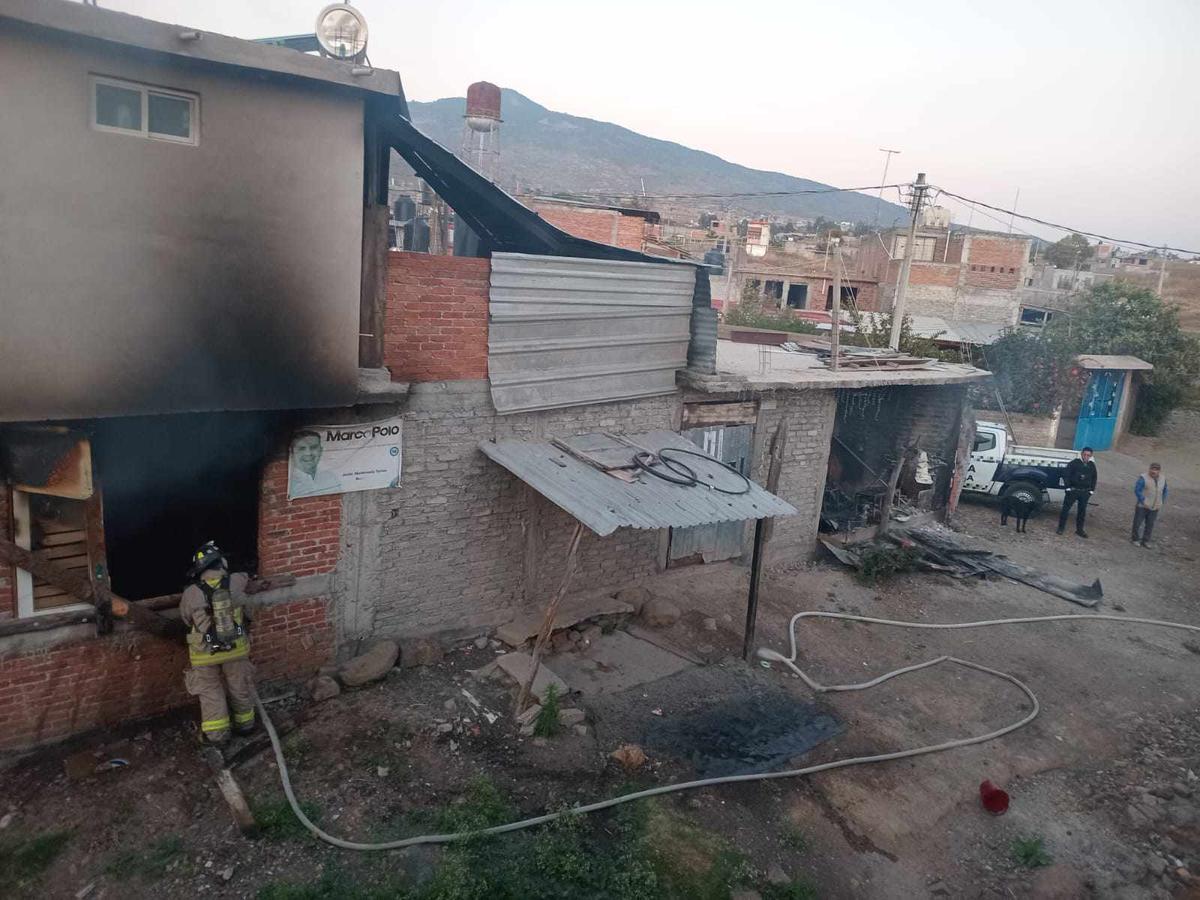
(604, 502)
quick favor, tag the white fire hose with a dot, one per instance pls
(766, 654)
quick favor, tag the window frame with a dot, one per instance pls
(26, 604)
(145, 90)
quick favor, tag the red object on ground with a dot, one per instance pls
(994, 800)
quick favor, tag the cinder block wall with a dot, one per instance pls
(435, 324)
(445, 552)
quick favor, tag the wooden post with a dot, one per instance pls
(548, 622)
(775, 467)
(97, 555)
(755, 578)
(835, 336)
(885, 512)
(80, 587)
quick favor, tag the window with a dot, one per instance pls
(985, 440)
(797, 296)
(773, 290)
(849, 296)
(156, 113)
(1028, 282)
(1035, 317)
(993, 268)
(54, 527)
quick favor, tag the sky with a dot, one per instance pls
(1085, 108)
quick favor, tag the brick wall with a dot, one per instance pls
(435, 324)
(48, 695)
(995, 263)
(451, 538)
(296, 537)
(8, 586)
(605, 226)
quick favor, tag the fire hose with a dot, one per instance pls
(769, 655)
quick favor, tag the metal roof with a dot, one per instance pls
(1094, 361)
(605, 502)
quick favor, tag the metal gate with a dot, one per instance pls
(731, 444)
(1099, 410)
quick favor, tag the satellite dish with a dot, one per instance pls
(342, 32)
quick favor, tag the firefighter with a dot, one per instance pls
(213, 608)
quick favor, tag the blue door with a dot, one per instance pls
(1099, 410)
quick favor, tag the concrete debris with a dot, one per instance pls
(6, 820)
(450, 706)
(227, 873)
(420, 652)
(710, 624)
(630, 756)
(571, 716)
(370, 666)
(517, 666)
(571, 611)
(445, 728)
(483, 673)
(322, 688)
(581, 730)
(659, 612)
(481, 643)
(526, 730)
(382, 771)
(529, 715)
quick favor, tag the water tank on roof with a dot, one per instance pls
(483, 106)
(716, 259)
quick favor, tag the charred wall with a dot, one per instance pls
(144, 276)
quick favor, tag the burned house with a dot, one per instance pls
(390, 440)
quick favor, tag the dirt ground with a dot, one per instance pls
(1103, 784)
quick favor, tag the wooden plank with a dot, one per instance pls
(66, 551)
(97, 560)
(35, 624)
(74, 536)
(704, 415)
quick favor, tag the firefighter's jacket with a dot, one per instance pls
(194, 610)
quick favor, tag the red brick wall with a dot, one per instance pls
(8, 584)
(436, 323)
(296, 537)
(605, 226)
(995, 262)
(52, 694)
(938, 274)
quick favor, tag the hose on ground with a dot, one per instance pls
(767, 654)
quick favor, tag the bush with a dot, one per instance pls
(752, 315)
(884, 562)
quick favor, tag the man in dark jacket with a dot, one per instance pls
(1080, 482)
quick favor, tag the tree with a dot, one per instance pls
(1070, 253)
(1035, 372)
(706, 219)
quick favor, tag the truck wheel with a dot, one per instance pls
(1025, 492)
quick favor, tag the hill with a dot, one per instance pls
(547, 151)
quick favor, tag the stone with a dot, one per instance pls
(420, 652)
(571, 716)
(1057, 882)
(630, 756)
(382, 771)
(660, 612)
(1156, 864)
(539, 742)
(6, 820)
(450, 706)
(483, 673)
(776, 875)
(445, 728)
(710, 624)
(227, 873)
(369, 666)
(322, 688)
(481, 643)
(581, 730)
(529, 715)
(636, 597)
(560, 642)
(517, 665)
(526, 730)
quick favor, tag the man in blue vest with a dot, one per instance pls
(1151, 492)
(213, 608)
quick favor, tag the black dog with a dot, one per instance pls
(1017, 507)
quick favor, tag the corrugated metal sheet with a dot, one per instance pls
(565, 331)
(605, 503)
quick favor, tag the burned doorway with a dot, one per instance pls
(868, 433)
(169, 484)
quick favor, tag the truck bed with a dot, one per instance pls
(1022, 455)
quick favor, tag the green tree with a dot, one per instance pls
(1070, 253)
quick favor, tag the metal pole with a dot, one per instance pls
(752, 600)
(1013, 215)
(835, 336)
(906, 265)
(886, 162)
(1162, 271)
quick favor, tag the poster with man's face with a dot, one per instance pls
(338, 459)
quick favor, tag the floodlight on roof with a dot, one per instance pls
(342, 32)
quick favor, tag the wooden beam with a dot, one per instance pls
(79, 586)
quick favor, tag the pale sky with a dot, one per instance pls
(1086, 107)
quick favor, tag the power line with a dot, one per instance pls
(1091, 234)
(798, 193)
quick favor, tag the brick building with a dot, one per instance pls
(108, 483)
(957, 277)
(619, 226)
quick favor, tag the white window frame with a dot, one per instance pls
(145, 90)
(23, 522)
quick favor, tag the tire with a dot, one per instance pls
(1026, 490)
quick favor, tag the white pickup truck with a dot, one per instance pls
(1002, 469)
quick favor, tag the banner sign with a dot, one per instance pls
(338, 459)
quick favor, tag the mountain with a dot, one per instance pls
(547, 152)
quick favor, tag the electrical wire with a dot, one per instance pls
(765, 654)
(744, 489)
(736, 195)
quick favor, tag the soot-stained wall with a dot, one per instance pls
(144, 276)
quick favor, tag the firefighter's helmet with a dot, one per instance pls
(207, 557)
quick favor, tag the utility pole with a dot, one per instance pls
(1013, 214)
(835, 336)
(919, 188)
(887, 160)
(1162, 271)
